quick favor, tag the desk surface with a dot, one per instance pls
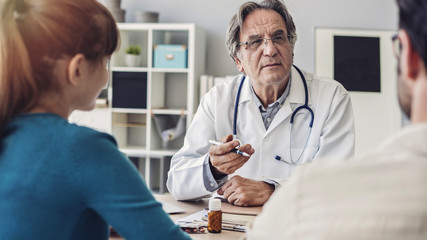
(190, 208)
(193, 207)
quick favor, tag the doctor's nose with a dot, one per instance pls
(270, 48)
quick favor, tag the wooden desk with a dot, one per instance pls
(190, 208)
(193, 207)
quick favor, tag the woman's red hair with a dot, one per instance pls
(36, 33)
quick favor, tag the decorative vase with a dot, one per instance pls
(146, 17)
(116, 11)
(132, 60)
(113, 4)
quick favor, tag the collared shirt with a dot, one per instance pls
(272, 109)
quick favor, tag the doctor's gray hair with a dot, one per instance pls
(236, 23)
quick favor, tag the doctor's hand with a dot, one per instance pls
(225, 162)
(241, 191)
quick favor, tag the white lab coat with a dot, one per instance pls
(332, 134)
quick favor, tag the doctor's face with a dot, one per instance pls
(267, 62)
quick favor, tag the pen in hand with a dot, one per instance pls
(215, 142)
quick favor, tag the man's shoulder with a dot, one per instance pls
(404, 148)
(320, 81)
(325, 81)
(408, 143)
(228, 82)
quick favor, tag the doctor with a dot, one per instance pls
(262, 101)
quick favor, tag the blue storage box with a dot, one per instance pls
(170, 56)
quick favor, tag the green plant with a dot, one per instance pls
(134, 50)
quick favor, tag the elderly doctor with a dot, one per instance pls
(260, 40)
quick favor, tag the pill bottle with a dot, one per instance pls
(214, 216)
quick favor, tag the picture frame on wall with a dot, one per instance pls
(363, 62)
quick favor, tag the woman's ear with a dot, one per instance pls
(410, 59)
(75, 69)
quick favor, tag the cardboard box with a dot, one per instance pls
(170, 56)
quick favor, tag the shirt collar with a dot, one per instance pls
(296, 92)
(279, 101)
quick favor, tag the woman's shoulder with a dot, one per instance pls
(55, 127)
(85, 135)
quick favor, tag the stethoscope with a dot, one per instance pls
(298, 109)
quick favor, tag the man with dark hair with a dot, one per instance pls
(381, 195)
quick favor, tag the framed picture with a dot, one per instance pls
(363, 62)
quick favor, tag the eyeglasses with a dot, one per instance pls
(397, 46)
(278, 40)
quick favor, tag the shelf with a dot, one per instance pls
(163, 153)
(156, 26)
(129, 110)
(146, 69)
(119, 124)
(141, 103)
(154, 111)
(129, 69)
(134, 151)
(169, 111)
(140, 98)
(170, 70)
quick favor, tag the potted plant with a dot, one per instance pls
(133, 56)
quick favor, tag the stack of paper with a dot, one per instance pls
(170, 208)
(233, 218)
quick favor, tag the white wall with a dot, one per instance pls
(214, 16)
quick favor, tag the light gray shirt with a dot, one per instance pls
(272, 109)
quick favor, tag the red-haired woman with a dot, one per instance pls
(59, 180)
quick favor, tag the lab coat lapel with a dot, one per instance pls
(247, 104)
(295, 98)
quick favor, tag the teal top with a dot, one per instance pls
(63, 181)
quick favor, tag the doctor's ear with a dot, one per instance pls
(239, 65)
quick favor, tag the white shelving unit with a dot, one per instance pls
(169, 91)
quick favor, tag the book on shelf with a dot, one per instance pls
(204, 85)
(209, 81)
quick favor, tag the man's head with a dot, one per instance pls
(235, 25)
(260, 39)
(412, 52)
